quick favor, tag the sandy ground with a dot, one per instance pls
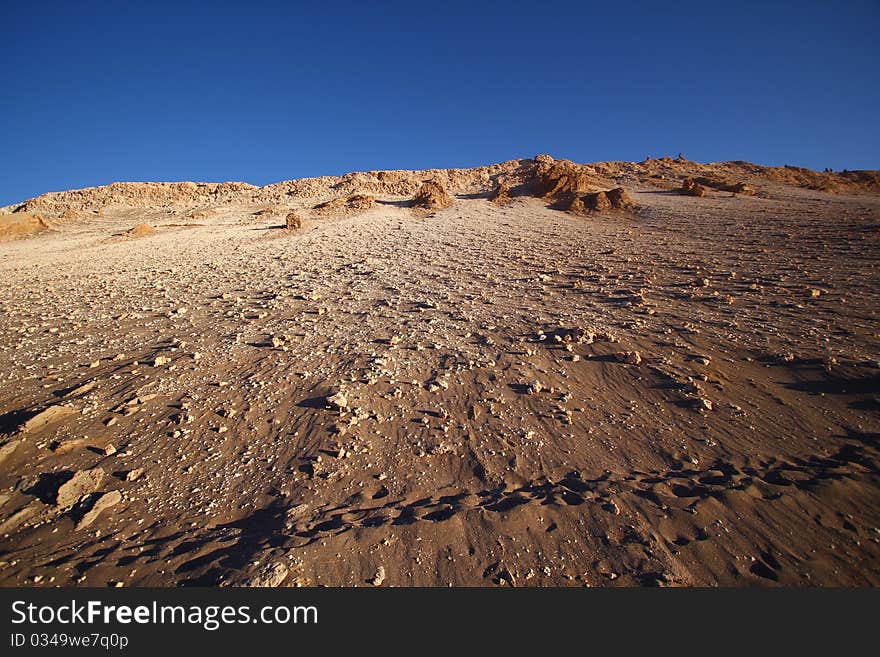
(687, 395)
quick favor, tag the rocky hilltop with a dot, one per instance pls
(542, 174)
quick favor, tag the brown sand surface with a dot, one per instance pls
(502, 394)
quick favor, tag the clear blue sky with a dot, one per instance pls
(264, 91)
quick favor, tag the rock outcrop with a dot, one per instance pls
(601, 201)
(21, 224)
(501, 194)
(691, 187)
(293, 221)
(432, 196)
(346, 205)
(141, 230)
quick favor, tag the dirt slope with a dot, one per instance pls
(683, 394)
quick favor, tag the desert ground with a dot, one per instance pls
(516, 382)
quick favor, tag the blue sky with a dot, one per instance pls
(95, 92)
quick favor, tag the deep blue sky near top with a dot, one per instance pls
(95, 92)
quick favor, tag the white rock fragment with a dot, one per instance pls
(338, 400)
(133, 475)
(379, 577)
(269, 576)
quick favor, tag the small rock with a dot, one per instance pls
(133, 475)
(611, 507)
(379, 577)
(628, 357)
(436, 384)
(7, 449)
(632, 357)
(102, 504)
(693, 188)
(82, 483)
(501, 195)
(19, 517)
(293, 221)
(140, 399)
(270, 576)
(700, 404)
(338, 400)
(49, 416)
(81, 390)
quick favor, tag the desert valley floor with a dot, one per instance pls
(499, 394)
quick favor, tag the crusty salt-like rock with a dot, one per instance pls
(79, 391)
